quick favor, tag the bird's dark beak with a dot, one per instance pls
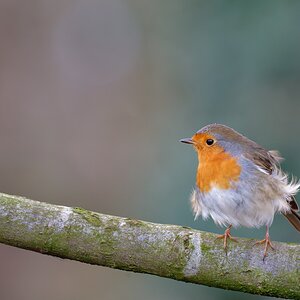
(187, 141)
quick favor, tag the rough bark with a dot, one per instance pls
(164, 250)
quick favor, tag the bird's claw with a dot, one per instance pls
(267, 243)
(226, 236)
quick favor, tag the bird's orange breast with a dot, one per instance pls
(216, 168)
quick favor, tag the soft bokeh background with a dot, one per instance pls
(94, 96)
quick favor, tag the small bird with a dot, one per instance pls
(239, 183)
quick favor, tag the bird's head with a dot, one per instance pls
(216, 138)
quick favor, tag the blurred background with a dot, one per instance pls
(94, 96)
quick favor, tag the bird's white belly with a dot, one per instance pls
(233, 207)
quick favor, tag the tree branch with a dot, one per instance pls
(164, 250)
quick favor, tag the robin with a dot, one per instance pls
(238, 182)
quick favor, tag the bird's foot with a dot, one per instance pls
(267, 243)
(226, 236)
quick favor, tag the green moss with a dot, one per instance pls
(205, 248)
(91, 217)
(134, 222)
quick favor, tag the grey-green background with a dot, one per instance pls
(94, 96)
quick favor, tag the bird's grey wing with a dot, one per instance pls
(267, 161)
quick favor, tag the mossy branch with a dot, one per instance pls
(164, 250)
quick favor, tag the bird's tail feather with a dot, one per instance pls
(294, 219)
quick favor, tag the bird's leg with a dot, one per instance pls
(226, 236)
(267, 243)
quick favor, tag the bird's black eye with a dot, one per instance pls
(209, 142)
